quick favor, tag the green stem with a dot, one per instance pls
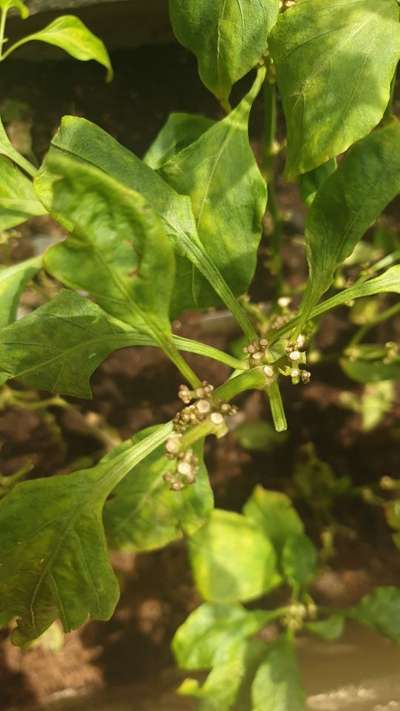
(3, 20)
(270, 123)
(214, 277)
(184, 368)
(196, 433)
(276, 405)
(338, 300)
(248, 380)
(190, 346)
(123, 463)
(15, 46)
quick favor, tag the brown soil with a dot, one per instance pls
(135, 388)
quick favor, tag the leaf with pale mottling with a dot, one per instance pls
(335, 62)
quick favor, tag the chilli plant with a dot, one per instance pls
(148, 239)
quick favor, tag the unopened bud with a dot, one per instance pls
(203, 407)
(295, 355)
(184, 468)
(217, 419)
(173, 444)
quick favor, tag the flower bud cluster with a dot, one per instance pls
(298, 613)
(257, 352)
(200, 406)
(295, 617)
(286, 362)
(186, 464)
(296, 358)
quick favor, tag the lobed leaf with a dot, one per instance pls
(60, 345)
(228, 37)
(335, 62)
(231, 559)
(144, 514)
(228, 194)
(348, 202)
(53, 558)
(13, 281)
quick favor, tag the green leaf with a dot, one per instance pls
(18, 201)
(377, 400)
(299, 561)
(349, 201)
(60, 345)
(231, 559)
(380, 610)
(335, 63)
(274, 514)
(316, 482)
(385, 283)
(311, 182)
(277, 685)
(233, 667)
(210, 629)
(366, 370)
(91, 144)
(228, 37)
(70, 34)
(118, 252)
(144, 514)
(228, 194)
(8, 150)
(179, 131)
(53, 557)
(13, 281)
(329, 629)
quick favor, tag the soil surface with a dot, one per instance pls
(135, 388)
